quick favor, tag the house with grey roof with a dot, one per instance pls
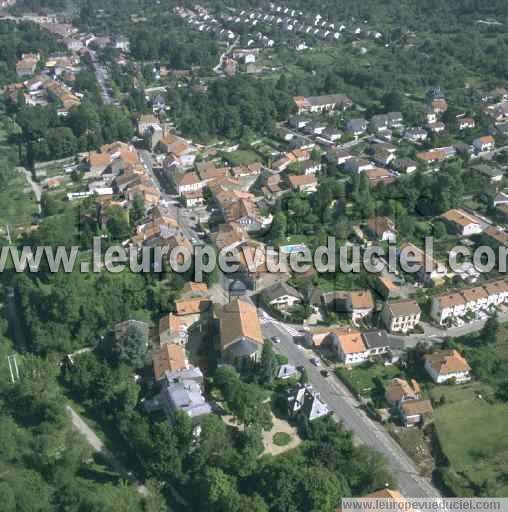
(331, 134)
(286, 371)
(182, 392)
(281, 296)
(417, 134)
(376, 341)
(357, 126)
(379, 123)
(401, 316)
(395, 119)
(304, 400)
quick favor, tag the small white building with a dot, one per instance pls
(464, 223)
(486, 143)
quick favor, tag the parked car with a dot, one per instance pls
(275, 339)
(325, 373)
(315, 361)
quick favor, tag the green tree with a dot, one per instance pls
(117, 223)
(488, 335)
(268, 364)
(133, 346)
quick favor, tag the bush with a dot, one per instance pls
(281, 439)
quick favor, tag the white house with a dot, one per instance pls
(416, 134)
(486, 143)
(351, 348)
(188, 182)
(281, 296)
(401, 316)
(476, 298)
(444, 365)
(466, 123)
(450, 305)
(464, 223)
(382, 228)
(357, 165)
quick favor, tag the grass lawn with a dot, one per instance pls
(502, 342)
(460, 393)
(18, 203)
(281, 439)
(295, 240)
(362, 377)
(472, 435)
(241, 157)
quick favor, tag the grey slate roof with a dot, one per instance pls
(278, 290)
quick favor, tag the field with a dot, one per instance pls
(18, 203)
(241, 157)
(472, 435)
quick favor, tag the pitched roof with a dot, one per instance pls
(189, 178)
(278, 290)
(431, 156)
(476, 293)
(375, 338)
(300, 181)
(351, 343)
(498, 235)
(416, 407)
(460, 217)
(380, 225)
(195, 288)
(170, 358)
(449, 300)
(169, 323)
(487, 139)
(447, 361)
(239, 319)
(399, 388)
(362, 299)
(99, 159)
(191, 306)
(404, 307)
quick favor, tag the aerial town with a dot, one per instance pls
(263, 130)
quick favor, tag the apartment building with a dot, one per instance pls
(401, 315)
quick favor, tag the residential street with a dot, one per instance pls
(102, 77)
(346, 409)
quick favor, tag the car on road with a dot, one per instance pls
(325, 373)
(315, 361)
(275, 339)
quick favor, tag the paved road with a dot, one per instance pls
(218, 67)
(435, 335)
(346, 409)
(102, 77)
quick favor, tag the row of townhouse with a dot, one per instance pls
(456, 304)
